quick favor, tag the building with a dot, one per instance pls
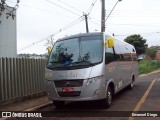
(8, 39)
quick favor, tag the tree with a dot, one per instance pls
(138, 42)
(151, 52)
(10, 12)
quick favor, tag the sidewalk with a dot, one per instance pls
(27, 105)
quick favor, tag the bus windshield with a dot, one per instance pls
(79, 51)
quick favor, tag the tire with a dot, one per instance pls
(108, 100)
(59, 104)
(130, 87)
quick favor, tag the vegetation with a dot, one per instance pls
(148, 66)
(138, 42)
(10, 9)
(151, 52)
(23, 55)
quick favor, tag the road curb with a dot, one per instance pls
(157, 71)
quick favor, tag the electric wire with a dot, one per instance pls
(62, 7)
(70, 6)
(40, 9)
(146, 34)
(66, 27)
(91, 7)
(100, 25)
(111, 11)
(80, 19)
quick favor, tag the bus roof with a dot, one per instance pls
(80, 35)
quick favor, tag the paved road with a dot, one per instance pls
(145, 96)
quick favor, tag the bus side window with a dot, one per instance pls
(126, 57)
(111, 56)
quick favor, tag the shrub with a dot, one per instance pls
(148, 66)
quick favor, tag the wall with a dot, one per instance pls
(21, 77)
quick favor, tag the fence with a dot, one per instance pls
(21, 77)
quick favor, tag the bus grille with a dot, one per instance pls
(69, 94)
(68, 83)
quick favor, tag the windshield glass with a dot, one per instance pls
(76, 52)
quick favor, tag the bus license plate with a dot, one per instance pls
(67, 90)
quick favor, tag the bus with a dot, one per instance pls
(89, 66)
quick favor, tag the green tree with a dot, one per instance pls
(151, 52)
(138, 42)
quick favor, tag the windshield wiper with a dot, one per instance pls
(54, 62)
(83, 62)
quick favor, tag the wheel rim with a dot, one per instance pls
(109, 98)
(132, 85)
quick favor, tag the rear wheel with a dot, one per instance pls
(59, 104)
(108, 100)
(131, 86)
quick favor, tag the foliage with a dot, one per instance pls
(138, 42)
(11, 11)
(148, 66)
(151, 52)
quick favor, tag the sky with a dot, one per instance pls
(38, 20)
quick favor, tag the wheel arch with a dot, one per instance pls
(111, 84)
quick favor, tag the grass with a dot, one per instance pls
(148, 66)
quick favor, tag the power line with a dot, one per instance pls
(134, 25)
(70, 6)
(39, 9)
(133, 13)
(87, 14)
(67, 26)
(112, 10)
(91, 7)
(62, 7)
(64, 28)
(95, 22)
(100, 25)
(149, 33)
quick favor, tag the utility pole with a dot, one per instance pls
(103, 16)
(86, 20)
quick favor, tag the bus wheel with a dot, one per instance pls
(58, 104)
(108, 101)
(131, 86)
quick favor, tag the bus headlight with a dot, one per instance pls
(93, 80)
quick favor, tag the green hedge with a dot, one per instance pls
(147, 66)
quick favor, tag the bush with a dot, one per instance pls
(151, 52)
(148, 66)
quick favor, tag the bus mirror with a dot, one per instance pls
(49, 50)
(110, 42)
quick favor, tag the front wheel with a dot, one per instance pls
(59, 104)
(108, 100)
